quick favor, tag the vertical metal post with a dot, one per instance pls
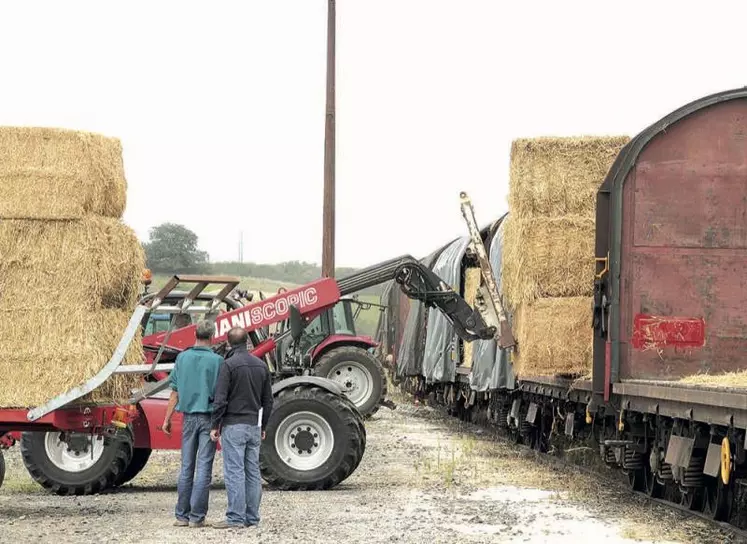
(328, 224)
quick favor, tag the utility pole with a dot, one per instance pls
(328, 223)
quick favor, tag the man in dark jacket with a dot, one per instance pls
(243, 391)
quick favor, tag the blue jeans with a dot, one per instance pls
(240, 445)
(198, 452)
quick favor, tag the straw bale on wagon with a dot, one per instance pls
(43, 354)
(48, 173)
(548, 257)
(80, 265)
(548, 249)
(554, 337)
(69, 268)
(557, 176)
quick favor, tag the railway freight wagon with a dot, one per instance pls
(666, 397)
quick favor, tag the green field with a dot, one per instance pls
(365, 324)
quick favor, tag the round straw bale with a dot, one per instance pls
(547, 258)
(552, 176)
(91, 263)
(48, 173)
(554, 337)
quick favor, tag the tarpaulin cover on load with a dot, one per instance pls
(391, 323)
(383, 327)
(410, 353)
(491, 368)
(439, 364)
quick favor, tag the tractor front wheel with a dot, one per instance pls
(314, 440)
(75, 463)
(359, 373)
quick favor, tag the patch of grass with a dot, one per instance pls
(20, 486)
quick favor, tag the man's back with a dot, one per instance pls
(248, 388)
(194, 377)
(243, 389)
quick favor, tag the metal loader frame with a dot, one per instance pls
(114, 365)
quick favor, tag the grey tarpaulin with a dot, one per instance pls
(439, 364)
(384, 324)
(410, 353)
(491, 368)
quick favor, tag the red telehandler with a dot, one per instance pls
(315, 436)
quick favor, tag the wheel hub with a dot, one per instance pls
(73, 452)
(355, 378)
(304, 440)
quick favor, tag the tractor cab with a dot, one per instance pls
(339, 320)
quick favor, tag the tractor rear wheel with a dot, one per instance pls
(2, 468)
(140, 458)
(314, 440)
(77, 465)
(359, 373)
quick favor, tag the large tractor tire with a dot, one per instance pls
(359, 373)
(314, 440)
(2, 468)
(140, 458)
(76, 467)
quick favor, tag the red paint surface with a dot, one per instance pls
(658, 332)
(684, 248)
(66, 419)
(147, 428)
(364, 342)
(315, 296)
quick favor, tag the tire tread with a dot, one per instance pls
(117, 466)
(354, 448)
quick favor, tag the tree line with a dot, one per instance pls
(174, 249)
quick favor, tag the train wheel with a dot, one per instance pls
(718, 499)
(640, 479)
(654, 487)
(691, 498)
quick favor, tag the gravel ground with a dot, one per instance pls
(424, 478)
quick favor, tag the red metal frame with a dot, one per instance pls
(79, 418)
(315, 296)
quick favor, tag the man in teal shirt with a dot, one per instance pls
(193, 382)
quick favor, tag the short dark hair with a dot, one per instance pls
(204, 330)
(237, 337)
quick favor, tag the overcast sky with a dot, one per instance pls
(220, 105)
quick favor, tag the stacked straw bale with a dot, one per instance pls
(50, 173)
(69, 268)
(548, 252)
